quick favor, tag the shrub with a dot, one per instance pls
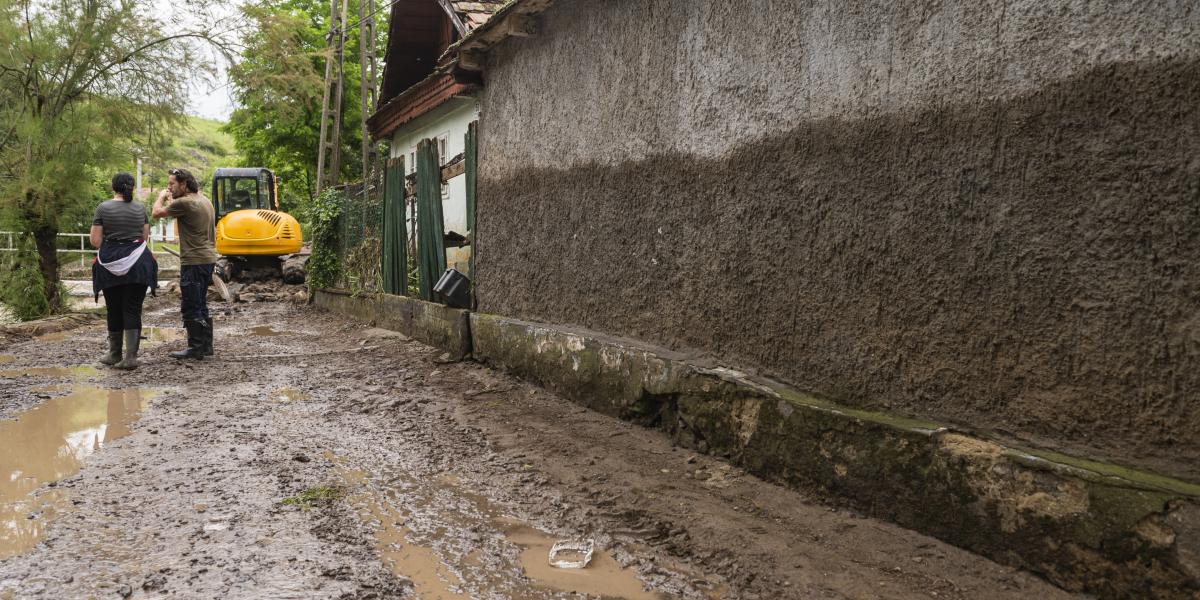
(324, 265)
(22, 287)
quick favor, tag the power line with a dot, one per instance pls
(371, 14)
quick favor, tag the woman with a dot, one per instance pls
(123, 270)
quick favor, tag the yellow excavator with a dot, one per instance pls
(252, 232)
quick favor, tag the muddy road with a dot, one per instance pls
(319, 458)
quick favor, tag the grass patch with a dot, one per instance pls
(313, 496)
(164, 245)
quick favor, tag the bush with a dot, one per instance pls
(324, 265)
(22, 287)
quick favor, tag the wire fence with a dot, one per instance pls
(360, 235)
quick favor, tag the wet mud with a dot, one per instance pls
(388, 473)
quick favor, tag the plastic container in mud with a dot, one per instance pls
(454, 288)
(571, 554)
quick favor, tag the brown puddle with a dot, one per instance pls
(439, 570)
(57, 336)
(77, 372)
(288, 394)
(50, 442)
(431, 577)
(602, 577)
(265, 331)
(6, 358)
(162, 335)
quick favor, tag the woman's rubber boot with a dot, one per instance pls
(114, 349)
(133, 339)
(208, 336)
(195, 341)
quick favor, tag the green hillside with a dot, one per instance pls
(200, 148)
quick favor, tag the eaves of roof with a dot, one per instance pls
(458, 71)
(516, 18)
(422, 97)
(473, 13)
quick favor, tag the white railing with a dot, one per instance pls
(8, 241)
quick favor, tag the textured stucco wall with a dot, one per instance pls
(982, 212)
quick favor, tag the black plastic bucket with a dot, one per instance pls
(454, 288)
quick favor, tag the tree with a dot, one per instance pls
(278, 85)
(81, 82)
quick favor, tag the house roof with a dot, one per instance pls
(514, 18)
(418, 33)
(473, 13)
(480, 24)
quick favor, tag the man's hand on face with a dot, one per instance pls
(164, 195)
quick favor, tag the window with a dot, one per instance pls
(239, 193)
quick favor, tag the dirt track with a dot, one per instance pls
(366, 467)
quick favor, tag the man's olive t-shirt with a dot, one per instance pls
(197, 229)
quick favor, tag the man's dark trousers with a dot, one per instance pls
(193, 291)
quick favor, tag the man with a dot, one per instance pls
(197, 257)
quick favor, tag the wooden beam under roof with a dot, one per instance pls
(454, 18)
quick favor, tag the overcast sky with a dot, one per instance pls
(212, 99)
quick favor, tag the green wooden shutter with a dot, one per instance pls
(395, 236)
(431, 246)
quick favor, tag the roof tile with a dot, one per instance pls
(476, 12)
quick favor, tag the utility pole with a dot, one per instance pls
(369, 86)
(329, 160)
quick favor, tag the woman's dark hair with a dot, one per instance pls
(186, 178)
(122, 183)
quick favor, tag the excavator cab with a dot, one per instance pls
(249, 222)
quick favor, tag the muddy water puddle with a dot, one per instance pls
(288, 394)
(6, 358)
(76, 372)
(452, 543)
(48, 443)
(265, 331)
(162, 335)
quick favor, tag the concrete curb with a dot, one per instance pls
(1085, 526)
(434, 324)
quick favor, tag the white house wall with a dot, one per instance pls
(449, 122)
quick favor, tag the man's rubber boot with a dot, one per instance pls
(208, 336)
(114, 349)
(194, 341)
(133, 339)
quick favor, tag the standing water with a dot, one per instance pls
(48, 443)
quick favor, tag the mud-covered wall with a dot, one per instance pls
(981, 212)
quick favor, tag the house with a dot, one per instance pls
(978, 215)
(418, 101)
